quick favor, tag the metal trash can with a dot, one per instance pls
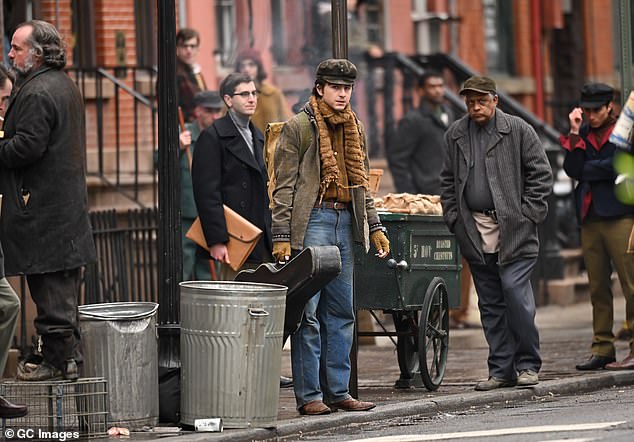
(231, 351)
(120, 344)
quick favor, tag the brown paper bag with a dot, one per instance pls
(243, 236)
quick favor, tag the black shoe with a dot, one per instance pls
(286, 382)
(9, 410)
(595, 363)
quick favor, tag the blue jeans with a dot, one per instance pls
(320, 348)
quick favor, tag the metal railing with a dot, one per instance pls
(126, 267)
(121, 123)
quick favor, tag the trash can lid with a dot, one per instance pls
(117, 311)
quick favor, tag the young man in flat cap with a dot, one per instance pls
(321, 198)
(494, 185)
(606, 223)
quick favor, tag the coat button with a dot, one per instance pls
(243, 204)
(244, 184)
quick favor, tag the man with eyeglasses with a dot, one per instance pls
(189, 78)
(272, 104)
(228, 168)
(494, 185)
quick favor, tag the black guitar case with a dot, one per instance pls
(304, 275)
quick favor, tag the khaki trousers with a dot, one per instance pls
(604, 245)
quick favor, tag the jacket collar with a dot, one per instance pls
(461, 134)
(427, 108)
(20, 85)
(234, 142)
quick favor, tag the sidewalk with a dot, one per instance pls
(566, 334)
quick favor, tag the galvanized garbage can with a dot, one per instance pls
(120, 344)
(231, 352)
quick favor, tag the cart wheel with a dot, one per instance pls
(407, 349)
(433, 334)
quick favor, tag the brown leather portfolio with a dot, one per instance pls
(243, 236)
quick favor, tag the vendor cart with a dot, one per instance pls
(416, 285)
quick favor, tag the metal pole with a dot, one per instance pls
(170, 253)
(626, 49)
(339, 28)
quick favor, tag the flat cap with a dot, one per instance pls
(209, 99)
(483, 85)
(337, 71)
(595, 95)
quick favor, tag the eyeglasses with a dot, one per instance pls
(190, 46)
(247, 94)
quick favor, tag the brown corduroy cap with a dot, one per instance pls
(337, 71)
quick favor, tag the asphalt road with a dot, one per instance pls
(604, 415)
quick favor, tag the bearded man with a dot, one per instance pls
(44, 226)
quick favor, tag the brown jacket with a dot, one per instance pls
(271, 107)
(297, 188)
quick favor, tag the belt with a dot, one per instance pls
(488, 212)
(331, 205)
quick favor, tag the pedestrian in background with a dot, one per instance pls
(322, 198)
(605, 222)
(416, 157)
(208, 107)
(9, 301)
(44, 226)
(189, 78)
(228, 168)
(494, 186)
(272, 104)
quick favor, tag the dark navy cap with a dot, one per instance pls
(595, 95)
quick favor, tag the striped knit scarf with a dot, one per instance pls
(354, 155)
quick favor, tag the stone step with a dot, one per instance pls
(573, 262)
(573, 289)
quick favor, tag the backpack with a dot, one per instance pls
(272, 135)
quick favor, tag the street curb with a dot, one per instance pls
(559, 387)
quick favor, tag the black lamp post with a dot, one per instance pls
(170, 253)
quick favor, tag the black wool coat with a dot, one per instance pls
(44, 225)
(225, 172)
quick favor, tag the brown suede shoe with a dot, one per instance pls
(352, 405)
(625, 364)
(314, 408)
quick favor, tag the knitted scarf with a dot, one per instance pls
(354, 155)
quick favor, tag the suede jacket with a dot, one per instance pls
(297, 188)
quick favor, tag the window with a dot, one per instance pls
(144, 16)
(83, 22)
(498, 36)
(225, 30)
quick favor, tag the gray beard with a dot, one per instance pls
(26, 70)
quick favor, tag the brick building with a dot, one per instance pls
(531, 47)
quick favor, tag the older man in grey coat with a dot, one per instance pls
(494, 185)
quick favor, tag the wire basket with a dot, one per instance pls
(79, 409)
